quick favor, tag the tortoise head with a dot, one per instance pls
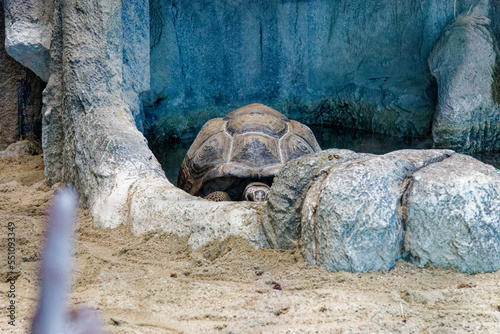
(256, 192)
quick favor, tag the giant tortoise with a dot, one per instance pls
(237, 157)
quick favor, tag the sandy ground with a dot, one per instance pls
(155, 283)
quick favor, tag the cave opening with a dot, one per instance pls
(171, 155)
(348, 63)
(355, 72)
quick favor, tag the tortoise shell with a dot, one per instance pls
(249, 144)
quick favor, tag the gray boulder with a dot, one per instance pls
(360, 64)
(453, 215)
(20, 97)
(464, 63)
(352, 220)
(21, 148)
(29, 32)
(290, 186)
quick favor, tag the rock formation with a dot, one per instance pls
(20, 97)
(452, 215)
(465, 64)
(364, 212)
(91, 140)
(354, 63)
(290, 189)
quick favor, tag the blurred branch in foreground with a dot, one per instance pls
(52, 316)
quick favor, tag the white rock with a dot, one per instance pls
(453, 215)
(28, 33)
(21, 148)
(464, 61)
(352, 220)
(160, 206)
(290, 186)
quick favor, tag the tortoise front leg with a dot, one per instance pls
(218, 196)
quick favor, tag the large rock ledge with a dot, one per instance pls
(346, 211)
(356, 211)
(453, 215)
(154, 205)
(465, 64)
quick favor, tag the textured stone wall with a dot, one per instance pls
(356, 63)
(136, 75)
(90, 138)
(465, 63)
(28, 33)
(351, 63)
(20, 97)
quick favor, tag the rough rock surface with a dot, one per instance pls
(21, 148)
(91, 139)
(357, 63)
(154, 205)
(20, 97)
(136, 75)
(351, 220)
(290, 186)
(28, 33)
(453, 215)
(9, 72)
(465, 65)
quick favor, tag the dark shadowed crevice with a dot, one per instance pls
(20, 97)
(495, 85)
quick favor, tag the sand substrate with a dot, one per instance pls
(155, 283)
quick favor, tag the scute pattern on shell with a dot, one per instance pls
(252, 142)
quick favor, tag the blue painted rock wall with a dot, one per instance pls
(356, 63)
